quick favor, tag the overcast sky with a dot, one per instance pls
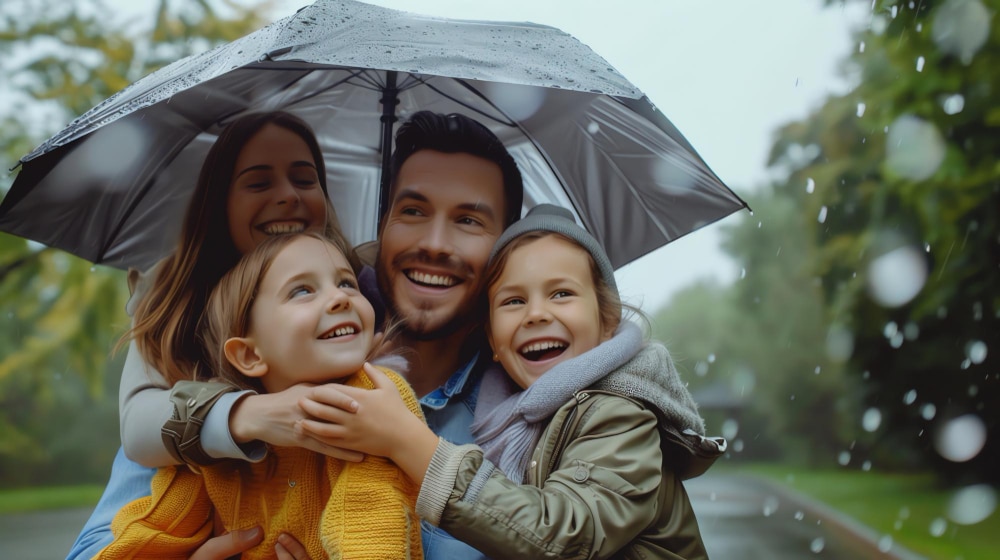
(727, 73)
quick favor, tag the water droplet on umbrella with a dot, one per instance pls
(817, 545)
(770, 506)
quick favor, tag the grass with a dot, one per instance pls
(54, 497)
(904, 506)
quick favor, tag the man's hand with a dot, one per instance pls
(272, 418)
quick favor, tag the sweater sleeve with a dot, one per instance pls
(172, 523)
(371, 511)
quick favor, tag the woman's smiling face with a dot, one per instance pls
(275, 189)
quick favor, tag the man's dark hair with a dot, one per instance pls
(456, 133)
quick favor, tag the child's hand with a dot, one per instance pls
(381, 425)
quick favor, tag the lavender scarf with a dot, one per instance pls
(508, 422)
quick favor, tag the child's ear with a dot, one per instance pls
(242, 354)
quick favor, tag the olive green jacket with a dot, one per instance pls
(604, 482)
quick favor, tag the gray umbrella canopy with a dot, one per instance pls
(112, 187)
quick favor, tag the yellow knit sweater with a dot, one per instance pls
(336, 509)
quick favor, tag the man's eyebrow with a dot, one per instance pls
(411, 195)
(480, 208)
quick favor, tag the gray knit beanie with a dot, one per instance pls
(556, 219)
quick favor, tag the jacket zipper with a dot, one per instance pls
(564, 434)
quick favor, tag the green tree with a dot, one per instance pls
(907, 191)
(60, 316)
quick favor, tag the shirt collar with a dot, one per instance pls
(439, 398)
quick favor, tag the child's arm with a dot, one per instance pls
(600, 496)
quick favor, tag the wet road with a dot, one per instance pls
(741, 518)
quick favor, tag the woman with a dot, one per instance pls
(263, 176)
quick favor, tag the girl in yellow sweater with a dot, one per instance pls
(290, 312)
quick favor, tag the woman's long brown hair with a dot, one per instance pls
(165, 324)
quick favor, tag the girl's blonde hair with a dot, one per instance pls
(609, 302)
(228, 312)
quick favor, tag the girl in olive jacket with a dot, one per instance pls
(585, 434)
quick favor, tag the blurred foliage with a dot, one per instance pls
(60, 316)
(894, 184)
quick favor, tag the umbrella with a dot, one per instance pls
(113, 185)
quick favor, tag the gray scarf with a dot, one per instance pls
(508, 422)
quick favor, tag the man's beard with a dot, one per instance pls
(423, 325)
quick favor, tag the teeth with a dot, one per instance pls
(340, 331)
(280, 228)
(432, 279)
(544, 345)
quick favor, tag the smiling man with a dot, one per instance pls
(455, 189)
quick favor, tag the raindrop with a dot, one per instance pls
(920, 64)
(810, 185)
(872, 419)
(910, 397)
(743, 273)
(961, 28)
(738, 446)
(866, 466)
(593, 128)
(770, 506)
(844, 458)
(885, 543)
(861, 47)
(817, 545)
(927, 247)
(972, 504)
(953, 104)
(928, 411)
(897, 276)
(911, 331)
(976, 351)
(897, 340)
(915, 148)
(961, 438)
(938, 527)
(711, 358)
(701, 369)
(895, 11)
(890, 329)
(822, 215)
(730, 428)
(839, 343)
(861, 109)
(816, 371)
(799, 516)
